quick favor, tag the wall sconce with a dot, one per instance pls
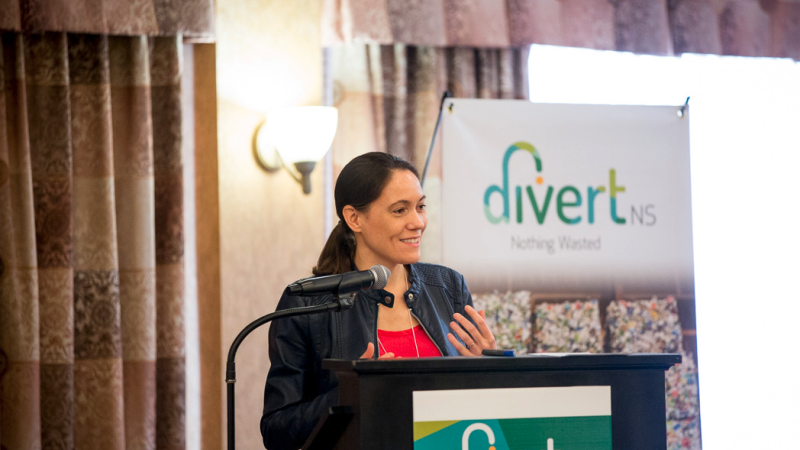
(299, 136)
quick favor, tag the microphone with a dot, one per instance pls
(377, 277)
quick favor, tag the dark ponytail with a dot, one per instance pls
(360, 183)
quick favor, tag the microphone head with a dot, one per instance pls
(381, 275)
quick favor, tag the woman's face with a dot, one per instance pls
(391, 229)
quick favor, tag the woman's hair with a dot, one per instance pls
(361, 182)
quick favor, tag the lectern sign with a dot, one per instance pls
(546, 418)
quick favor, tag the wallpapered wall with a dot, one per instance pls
(268, 55)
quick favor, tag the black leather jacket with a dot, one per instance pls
(298, 389)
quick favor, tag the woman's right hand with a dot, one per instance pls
(371, 351)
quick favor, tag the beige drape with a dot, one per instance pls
(193, 19)
(388, 95)
(388, 99)
(658, 27)
(91, 243)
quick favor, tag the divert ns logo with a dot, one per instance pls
(569, 200)
(477, 427)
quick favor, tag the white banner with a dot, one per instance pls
(547, 196)
(511, 403)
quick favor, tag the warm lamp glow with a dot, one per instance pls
(303, 133)
(300, 135)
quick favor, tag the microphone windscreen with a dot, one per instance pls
(381, 276)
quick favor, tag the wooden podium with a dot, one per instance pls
(376, 396)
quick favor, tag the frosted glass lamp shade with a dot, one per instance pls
(303, 133)
(298, 137)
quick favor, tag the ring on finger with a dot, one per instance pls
(470, 345)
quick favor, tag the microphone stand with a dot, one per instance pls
(341, 302)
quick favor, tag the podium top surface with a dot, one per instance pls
(533, 362)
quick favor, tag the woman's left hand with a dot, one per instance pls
(476, 339)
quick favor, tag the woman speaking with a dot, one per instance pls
(425, 309)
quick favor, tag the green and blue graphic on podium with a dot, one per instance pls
(551, 418)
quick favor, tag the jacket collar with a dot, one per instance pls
(386, 298)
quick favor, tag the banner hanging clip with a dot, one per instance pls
(682, 111)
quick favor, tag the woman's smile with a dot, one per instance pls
(414, 242)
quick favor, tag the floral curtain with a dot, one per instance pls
(91, 243)
(660, 27)
(388, 99)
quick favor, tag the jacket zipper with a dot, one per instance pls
(377, 342)
(426, 331)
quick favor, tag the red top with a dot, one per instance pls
(401, 343)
